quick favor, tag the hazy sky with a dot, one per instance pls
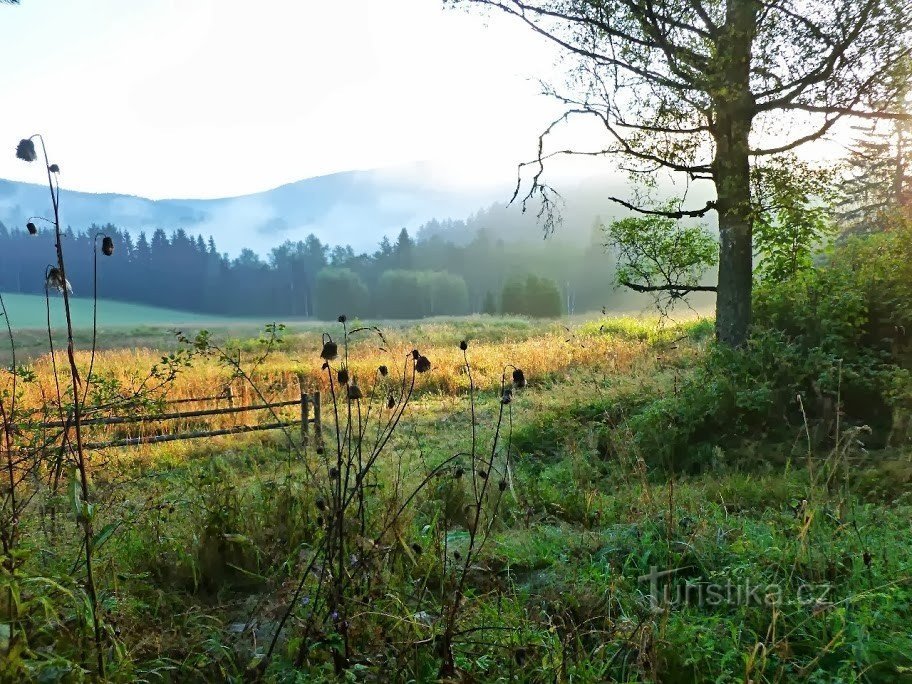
(209, 98)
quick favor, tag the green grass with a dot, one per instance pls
(30, 311)
(209, 533)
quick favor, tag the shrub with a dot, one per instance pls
(534, 296)
(832, 334)
(340, 290)
(415, 294)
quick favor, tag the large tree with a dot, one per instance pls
(709, 88)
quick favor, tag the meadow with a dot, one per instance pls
(531, 528)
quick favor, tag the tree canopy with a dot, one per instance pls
(711, 88)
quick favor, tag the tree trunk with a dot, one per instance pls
(734, 111)
(733, 298)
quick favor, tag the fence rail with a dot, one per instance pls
(310, 415)
(120, 420)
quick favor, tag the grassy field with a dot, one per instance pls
(766, 562)
(119, 324)
(30, 311)
(122, 325)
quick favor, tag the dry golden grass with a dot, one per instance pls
(545, 352)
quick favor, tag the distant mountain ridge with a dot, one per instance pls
(356, 208)
(351, 207)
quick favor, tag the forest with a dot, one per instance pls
(450, 268)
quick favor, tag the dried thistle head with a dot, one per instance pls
(31, 228)
(342, 376)
(415, 354)
(423, 364)
(507, 396)
(519, 379)
(342, 318)
(25, 150)
(107, 246)
(330, 350)
(354, 392)
(56, 281)
(463, 345)
(383, 370)
(390, 401)
(53, 168)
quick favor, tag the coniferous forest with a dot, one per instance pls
(450, 268)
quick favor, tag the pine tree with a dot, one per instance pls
(880, 164)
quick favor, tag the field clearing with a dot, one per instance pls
(204, 539)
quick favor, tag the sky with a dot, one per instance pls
(216, 98)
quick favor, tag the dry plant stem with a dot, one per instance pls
(448, 666)
(77, 428)
(7, 417)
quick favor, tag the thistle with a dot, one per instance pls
(519, 379)
(56, 281)
(107, 246)
(25, 150)
(422, 364)
(330, 350)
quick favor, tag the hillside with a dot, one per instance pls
(356, 208)
(353, 207)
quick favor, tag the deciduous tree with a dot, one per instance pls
(705, 88)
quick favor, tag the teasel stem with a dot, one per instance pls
(86, 520)
(7, 416)
(85, 392)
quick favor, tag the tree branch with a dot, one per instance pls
(676, 290)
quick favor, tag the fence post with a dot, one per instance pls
(318, 430)
(305, 409)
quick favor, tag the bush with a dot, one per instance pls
(340, 290)
(415, 294)
(836, 335)
(534, 296)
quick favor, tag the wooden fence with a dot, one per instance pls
(309, 406)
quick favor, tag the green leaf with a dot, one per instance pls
(104, 534)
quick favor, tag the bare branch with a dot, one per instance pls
(676, 290)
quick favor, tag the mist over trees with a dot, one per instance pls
(451, 268)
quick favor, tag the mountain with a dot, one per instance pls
(352, 207)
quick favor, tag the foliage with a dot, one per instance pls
(416, 294)
(704, 88)
(792, 218)
(660, 254)
(185, 272)
(532, 296)
(340, 289)
(879, 179)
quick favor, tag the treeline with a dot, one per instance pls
(405, 278)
